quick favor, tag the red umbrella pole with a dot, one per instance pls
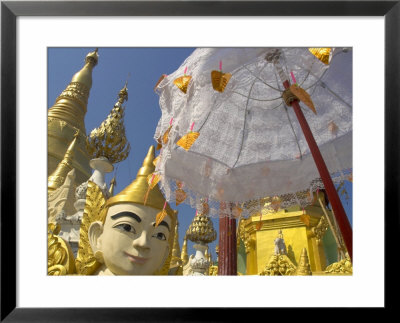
(333, 196)
(227, 253)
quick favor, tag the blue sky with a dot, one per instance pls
(142, 67)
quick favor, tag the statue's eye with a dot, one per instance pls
(160, 236)
(126, 227)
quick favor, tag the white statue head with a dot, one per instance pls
(129, 243)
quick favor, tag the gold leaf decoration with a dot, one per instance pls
(188, 140)
(166, 134)
(183, 82)
(323, 54)
(155, 161)
(153, 179)
(180, 196)
(220, 80)
(159, 144)
(162, 77)
(303, 96)
(160, 216)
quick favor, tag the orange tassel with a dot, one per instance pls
(180, 196)
(220, 80)
(161, 215)
(152, 181)
(166, 134)
(183, 82)
(303, 96)
(188, 140)
(155, 161)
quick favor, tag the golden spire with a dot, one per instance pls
(201, 229)
(207, 255)
(136, 191)
(184, 254)
(304, 268)
(109, 139)
(71, 104)
(67, 116)
(113, 183)
(57, 178)
(176, 250)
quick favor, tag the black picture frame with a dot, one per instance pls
(10, 10)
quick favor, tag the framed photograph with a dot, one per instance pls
(29, 29)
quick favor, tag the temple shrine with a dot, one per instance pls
(273, 241)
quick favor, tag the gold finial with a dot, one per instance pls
(113, 183)
(184, 254)
(57, 178)
(84, 76)
(92, 57)
(135, 192)
(304, 268)
(201, 229)
(109, 139)
(123, 94)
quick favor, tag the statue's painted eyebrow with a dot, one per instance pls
(125, 213)
(164, 224)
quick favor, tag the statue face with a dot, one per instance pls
(130, 242)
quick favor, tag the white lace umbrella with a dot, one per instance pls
(250, 143)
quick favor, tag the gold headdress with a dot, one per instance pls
(96, 210)
(135, 192)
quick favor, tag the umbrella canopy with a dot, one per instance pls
(250, 145)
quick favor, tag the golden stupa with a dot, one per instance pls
(66, 117)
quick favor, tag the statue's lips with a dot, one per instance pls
(135, 259)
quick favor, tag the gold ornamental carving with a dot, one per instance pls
(279, 265)
(245, 236)
(201, 229)
(77, 92)
(86, 262)
(343, 267)
(320, 229)
(109, 139)
(60, 259)
(213, 271)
